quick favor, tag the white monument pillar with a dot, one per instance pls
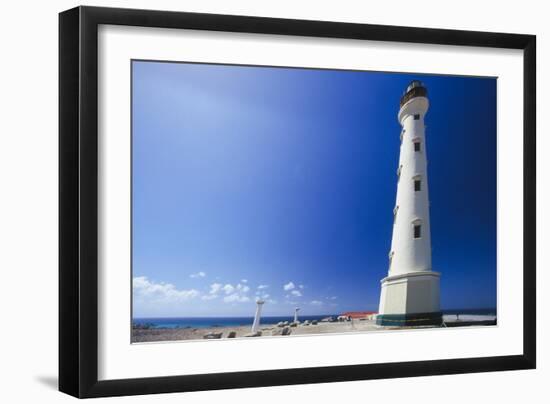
(296, 310)
(256, 323)
(410, 292)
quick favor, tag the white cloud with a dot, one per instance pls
(233, 293)
(228, 288)
(199, 274)
(289, 286)
(236, 298)
(301, 286)
(215, 288)
(296, 293)
(316, 302)
(145, 288)
(243, 288)
(244, 280)
(333, 298)
(263, 287)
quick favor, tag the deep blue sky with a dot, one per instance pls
(269, 176)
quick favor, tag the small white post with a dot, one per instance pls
(296, 310)
(256, 323)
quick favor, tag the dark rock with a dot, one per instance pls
(212, 335)
(254, 334)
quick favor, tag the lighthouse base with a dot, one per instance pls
(410, 299)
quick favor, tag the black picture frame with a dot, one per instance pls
(78, 201)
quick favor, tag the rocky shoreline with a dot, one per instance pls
(273, 330)
(281, 330)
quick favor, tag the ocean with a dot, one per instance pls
(209, 322)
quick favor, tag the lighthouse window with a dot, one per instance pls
(416, 117)
(416, 146)
(417, 185)
(395, 213)
(417, 231)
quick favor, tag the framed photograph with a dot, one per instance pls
(251, 201)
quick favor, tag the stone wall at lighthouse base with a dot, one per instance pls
(410, 299)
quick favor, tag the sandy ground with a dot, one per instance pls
(139, 335)
(178, 334)
(267, 330)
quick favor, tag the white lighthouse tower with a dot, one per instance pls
(410, 292)
(257, 316)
